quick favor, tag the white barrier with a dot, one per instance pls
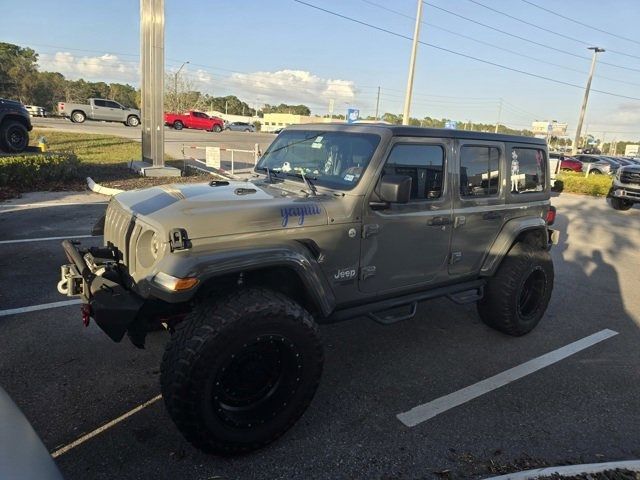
(213, 155)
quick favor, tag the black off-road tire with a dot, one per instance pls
(239, 371)
(178, 125)
(516, 297)
(14, 137)
(621, 203)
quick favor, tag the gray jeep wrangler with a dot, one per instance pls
(338, 222)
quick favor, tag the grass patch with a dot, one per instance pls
(595, 185)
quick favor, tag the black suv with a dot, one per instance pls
(15, 125)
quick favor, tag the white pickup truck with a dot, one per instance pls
(100, 109)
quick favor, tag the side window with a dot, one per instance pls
(113, 104)
(100, 103)
(423, 163)
(528, 170)
(479, 171)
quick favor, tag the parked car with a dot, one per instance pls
(15, 125)
(241, 127)
(195, 120)
(36, 111)
(625, 190)
(100, 109)
(567, 164)
(595, 164)
(339, 221)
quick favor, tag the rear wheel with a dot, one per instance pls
(178, 125)
(621, 203)
(517, 296)
(78, 117)
(14, 137)
(247, 129)
(595, 172)
(239, 371)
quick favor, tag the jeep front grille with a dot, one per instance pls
(630, 177)
(117, 229)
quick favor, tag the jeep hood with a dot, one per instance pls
(205, 210)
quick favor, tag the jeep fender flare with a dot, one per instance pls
(295, 257)
(505, 239)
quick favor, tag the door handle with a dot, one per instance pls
(491, 216)
(438, 221)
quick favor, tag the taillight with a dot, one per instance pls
(551, 215)
(61, 106)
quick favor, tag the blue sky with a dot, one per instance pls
(282, 51)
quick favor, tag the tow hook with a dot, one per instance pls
(86, 314)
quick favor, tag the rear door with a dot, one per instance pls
(479, 201)
(407, 245)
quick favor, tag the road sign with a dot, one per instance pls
(450, 124)
(212, 157)
(352, 115)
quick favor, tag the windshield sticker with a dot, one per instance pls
(349, 177)
(317, 143)
(299, 212)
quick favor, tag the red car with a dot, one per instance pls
(569, 164)
(195, 120)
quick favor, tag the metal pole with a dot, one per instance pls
(412, 65)
(377, 103)
(499, 114)
(583, 110)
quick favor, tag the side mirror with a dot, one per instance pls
(393, 189)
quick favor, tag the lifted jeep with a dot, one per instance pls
(339, 221)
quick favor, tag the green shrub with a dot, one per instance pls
(596, 185)
(28, 171)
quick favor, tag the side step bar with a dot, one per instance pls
(460, 293)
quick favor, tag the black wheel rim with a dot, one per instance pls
(257, 381)
(16, 138)
(531, 293)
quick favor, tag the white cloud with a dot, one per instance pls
(293, 86)
(107, 67)
(203, 77)
(626, 114)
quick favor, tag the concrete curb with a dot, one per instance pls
(633, 465)
(96, 187)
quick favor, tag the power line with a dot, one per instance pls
(548, 30)
(524, 39)
(482, 42)
(581, 23)
(396, 34)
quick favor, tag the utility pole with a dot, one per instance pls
(175, 86)
(596, 51)
(499, 114)
(225, 106)
(412, 66)
(378, 103)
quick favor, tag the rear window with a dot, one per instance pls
(479, 171)
(528, 170)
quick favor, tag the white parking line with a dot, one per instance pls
(106, 426)
(43, 239)
(35, 308)
(426, 411)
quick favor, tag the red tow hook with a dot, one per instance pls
(86, 314)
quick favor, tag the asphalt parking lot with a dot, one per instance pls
(70, 380)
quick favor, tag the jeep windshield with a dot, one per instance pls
(334, 160)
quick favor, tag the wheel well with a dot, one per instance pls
(281, 279)
(18, 118)
(536, 237)
(78, 111)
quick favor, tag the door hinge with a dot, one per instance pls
(367, 272)
(370, 230)
(455, 257)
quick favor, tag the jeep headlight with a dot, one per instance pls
(148, 248)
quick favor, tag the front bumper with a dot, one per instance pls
(626, 192)
(96, 276)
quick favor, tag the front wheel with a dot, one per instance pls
(595, 172)
(517, 296)
(621, 203)
(239, 371)
(216, 128)
(133, 121)
(14, 137)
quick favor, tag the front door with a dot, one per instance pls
(407, 245)
(479, 203)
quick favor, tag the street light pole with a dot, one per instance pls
(175, 85)
(412, 65)
(583, 110)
